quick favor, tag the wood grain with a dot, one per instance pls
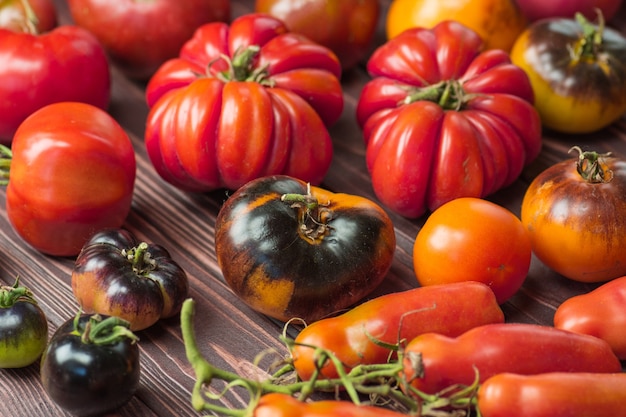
(230, 334)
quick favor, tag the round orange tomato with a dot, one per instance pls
(471, 239)
(498, 22)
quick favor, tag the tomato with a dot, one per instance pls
(32, 16)
(283, 405)
(600, 313)
(72, 173)
(442, 120)
(498, 22)
(577, 70)
(250, 99)
(23, 327)
(65, 64)
(116, 275)
(447, 309)
(91, 365)
(541, 9)
(473, 239)
(347, 27)
(290, 250)
(510, 347)
(574, 212)
(140, 35)
(554, 394)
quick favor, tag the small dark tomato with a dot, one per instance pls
(117, 275)
(23, 327)
(290, 250)
(91, 365)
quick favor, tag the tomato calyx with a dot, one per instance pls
(313, 216)
(9, 295)
(448, 94)
(27, 23)
(99, 330)
(591, 167)
(241, 67)
(589, 47)
(140, 258)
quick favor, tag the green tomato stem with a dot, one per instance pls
(9, 295)
(140, 259)
(591, 167)
(590, 44)
(31, 18)
(104, 332)
(6, 156)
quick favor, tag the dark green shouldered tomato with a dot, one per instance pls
(291, 250)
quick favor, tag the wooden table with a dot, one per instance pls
(229, 333)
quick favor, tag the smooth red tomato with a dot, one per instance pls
(577, 70)
(470, 239)
(72, 173)
(600, 313)
(498, 22)
(443, 120)
(347, 27)
(140, 35)
(242, 102)
(575, 214)
(554, 394)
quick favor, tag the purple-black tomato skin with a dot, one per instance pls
(89, 379)
(23, 334)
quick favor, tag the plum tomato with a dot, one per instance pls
(575, 214)
(291, 250)
(72, 173)
(91, 365)
(577, 70)
(471, 239)
(117, 275)
(23, 327)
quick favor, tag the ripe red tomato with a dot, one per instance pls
(442, 120)
(140, 35)
(243, 101)
(33, 16)
(66, 64)
(574, 212)
(469, 239)
(347, 27)
(72, 173)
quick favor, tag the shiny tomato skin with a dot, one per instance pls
(284, 405)
(127, 29)
(600, 313)
(473, 239)
(23, 327)
(491, 349)
(72, 173)
(575, 226)
(443, 120)
(66, 64)
(498, 22)
(14, 17)
(269, 115)
(288, 264)
(573, 94)
(449, 309)
(88, 379)
(346, 27)
(554, 394)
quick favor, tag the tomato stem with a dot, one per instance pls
(6, 156)
(589, 46)
(313, 216)
(9, 295)
(241, 67)
(140, 258)
(448, 94)
(31, 18)
(106, 331)
(591, 167)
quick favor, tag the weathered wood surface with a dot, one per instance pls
(231, 335)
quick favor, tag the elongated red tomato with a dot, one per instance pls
(283, 405)
(496, 348)
(443, 120)
(242, 102)
(554, 394)
(449, 309)
(600, 313)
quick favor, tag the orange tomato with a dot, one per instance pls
(470, 239)
(498, 22)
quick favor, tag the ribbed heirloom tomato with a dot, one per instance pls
(241, 102)
(470, 239)
(442, 120)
